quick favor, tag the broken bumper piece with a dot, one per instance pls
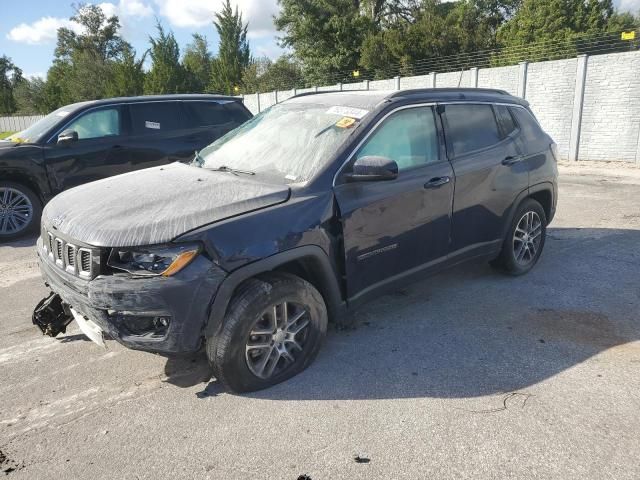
(52, 316)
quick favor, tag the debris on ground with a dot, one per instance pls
(304, 477)
(524, 397)
(361, 459)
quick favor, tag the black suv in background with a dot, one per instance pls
(88, 141)
(319, 203)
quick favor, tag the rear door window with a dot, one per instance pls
(154, 117)
(505, 120)
(471, 127)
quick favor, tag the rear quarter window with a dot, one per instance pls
(154, 117)
(471, 127)
(531, 131)
(211, 113)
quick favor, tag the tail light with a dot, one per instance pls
(554, 152)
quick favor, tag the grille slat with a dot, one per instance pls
(84, 265)
(70, 257)
(75, 260)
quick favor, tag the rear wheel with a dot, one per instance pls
(274, 328)
(525, 239)
(20, 210)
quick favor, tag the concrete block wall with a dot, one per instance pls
(503, 78)
(550, 91)
(590, 106)
(611, 112)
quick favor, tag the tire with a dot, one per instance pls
(524, 241)
(28, 204)
(249, 339)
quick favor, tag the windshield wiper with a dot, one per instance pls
(197, 159)
(235, 171)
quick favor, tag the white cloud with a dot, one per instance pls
(198, 13)
(41, 31)
(31, 76)
(628, 5)
(126, 9)
(45, 29)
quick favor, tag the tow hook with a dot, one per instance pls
(52, 316)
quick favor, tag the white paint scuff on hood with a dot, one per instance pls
(155, 205)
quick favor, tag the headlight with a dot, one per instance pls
(165, 260)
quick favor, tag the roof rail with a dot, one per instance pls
(415, 91)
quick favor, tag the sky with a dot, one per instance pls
(28, 31)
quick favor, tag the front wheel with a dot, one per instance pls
(274, 328)
(525, 239)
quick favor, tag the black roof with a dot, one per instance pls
(151, 98)
(370, 98)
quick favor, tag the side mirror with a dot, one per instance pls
(369, 169)
(67, 137)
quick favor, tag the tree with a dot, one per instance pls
(29, 95)
(264, 75)
(197, 63)
(10, 77)
(166, 75)
(326, 35)
(234, 55)
(127, 75)
(550, 29)
(86, 58)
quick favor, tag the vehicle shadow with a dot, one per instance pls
(472, 332)
(27, 241)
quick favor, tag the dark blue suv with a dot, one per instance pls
(314, 206)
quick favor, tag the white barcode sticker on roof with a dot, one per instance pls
(154, 125)
(356, 113)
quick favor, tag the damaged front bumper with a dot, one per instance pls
(156, 314)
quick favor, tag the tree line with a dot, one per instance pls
(327, 41)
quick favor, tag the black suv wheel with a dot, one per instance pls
(274, 328)
(525, 239)
(20, 210)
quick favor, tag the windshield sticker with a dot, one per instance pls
(356, 113)
(62, 113)
(291, 177)
(154, 125)
(346, 122)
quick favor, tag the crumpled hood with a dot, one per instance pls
(155, 205)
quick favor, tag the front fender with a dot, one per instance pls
(327, 274)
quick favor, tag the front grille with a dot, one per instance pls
(81, 261)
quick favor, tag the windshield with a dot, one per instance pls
(35, 132)
(290, 141)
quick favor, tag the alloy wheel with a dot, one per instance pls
(277, 339)
(527, 237)
(16, 211)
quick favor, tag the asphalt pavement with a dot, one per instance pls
(469, 374)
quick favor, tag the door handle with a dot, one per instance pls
(437, 182)
(117, 147)
(511, 160)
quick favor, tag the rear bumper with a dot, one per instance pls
(113, 302)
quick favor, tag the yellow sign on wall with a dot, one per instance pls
(628, 35)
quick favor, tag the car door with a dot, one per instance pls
(489, 176)
(394, 228)
(94, 155)
(208, 120)
(157, 134)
